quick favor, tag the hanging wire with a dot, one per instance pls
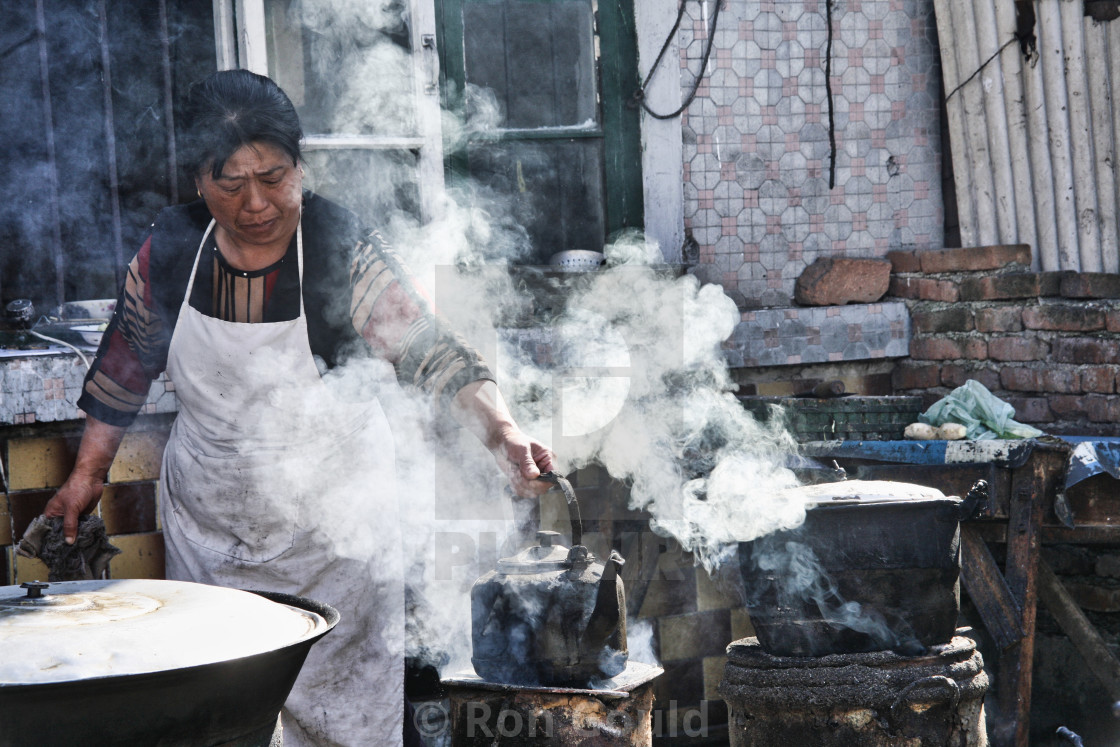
(983, 65)
(828, 95)
(639, 97)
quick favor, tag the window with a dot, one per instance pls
(363, 77)
(566, 151)
(91, 95)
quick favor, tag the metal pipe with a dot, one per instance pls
(1080, 138)
(992, 91)
(1056, 102)
(978, 154)
(958, 136)
(1111, 261)
(110, 141)
(1042, 171)
(1069, 736)
(1100, 120)
(168, 108)
(52, 163)
(1019, 142)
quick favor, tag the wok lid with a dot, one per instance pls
(76, 630)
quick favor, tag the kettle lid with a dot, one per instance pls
(547, 555)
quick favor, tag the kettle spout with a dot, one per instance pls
(610, 610)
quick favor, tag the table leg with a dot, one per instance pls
(1029, 488)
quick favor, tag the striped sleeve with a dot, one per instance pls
(133, 353)
(391, 312)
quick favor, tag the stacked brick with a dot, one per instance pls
(36, 465)
(1048, 343)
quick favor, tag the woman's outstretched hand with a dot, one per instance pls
(522, 459)
(480, 408)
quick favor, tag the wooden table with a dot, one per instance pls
(1029, 506)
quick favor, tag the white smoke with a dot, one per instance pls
(636, 381)
(708, 473)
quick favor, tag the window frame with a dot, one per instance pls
(620, 121)
(657, 143)
(242, 41)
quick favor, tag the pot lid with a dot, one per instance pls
(865, 491)
(549, 555)
(76, 630)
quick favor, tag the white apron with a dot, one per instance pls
(271, 482)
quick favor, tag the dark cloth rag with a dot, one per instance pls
(88, 558)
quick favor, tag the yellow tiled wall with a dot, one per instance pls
(39, 462)
(36, 466)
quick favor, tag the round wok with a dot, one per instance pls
(233, 702)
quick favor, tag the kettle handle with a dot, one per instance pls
(976, 499)
(573, 505)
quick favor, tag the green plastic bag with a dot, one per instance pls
(981, 412)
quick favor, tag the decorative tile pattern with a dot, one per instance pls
(757, 144)
(819, 334)
(45, 388)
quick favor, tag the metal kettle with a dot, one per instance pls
(550, 615)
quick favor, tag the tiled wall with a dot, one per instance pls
(40, 428)
(44, 388)
(758, 154)
(36, 465)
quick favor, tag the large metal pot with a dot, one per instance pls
(142, 662)
(874, 567)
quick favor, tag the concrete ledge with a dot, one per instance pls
(819, 334)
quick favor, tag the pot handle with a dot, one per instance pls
(947, 683)
(573, 505)
(977, 498)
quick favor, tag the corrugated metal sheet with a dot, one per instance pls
(1033, 132)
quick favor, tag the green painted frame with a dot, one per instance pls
(620, 117)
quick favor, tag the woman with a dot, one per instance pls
(278, 471)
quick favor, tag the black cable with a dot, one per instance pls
(640, 94)
(828, 94)
(983, 65)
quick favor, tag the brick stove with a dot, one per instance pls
(618, 713)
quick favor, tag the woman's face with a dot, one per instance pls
(256, 200)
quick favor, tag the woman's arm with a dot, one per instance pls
(480, 408)
(132, 354)
(82, 490)
(391, 312)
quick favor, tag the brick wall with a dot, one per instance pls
(767, 188)
(1048, 343)
(37, 461)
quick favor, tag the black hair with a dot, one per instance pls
(233, 108)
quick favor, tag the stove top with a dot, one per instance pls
(634, 676)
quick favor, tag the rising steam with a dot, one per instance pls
(636, 381)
